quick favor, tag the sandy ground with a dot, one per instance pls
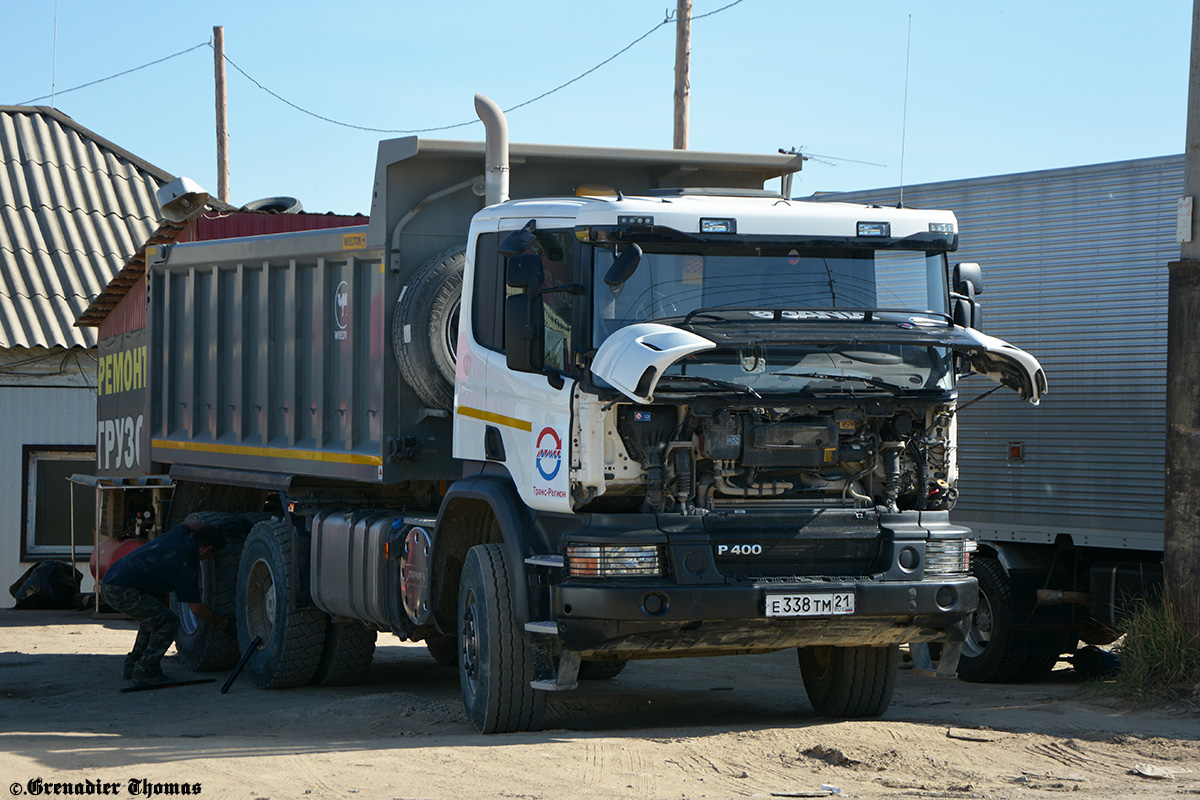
(691, 728)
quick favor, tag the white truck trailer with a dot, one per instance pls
(1066, 498)
(646, 410)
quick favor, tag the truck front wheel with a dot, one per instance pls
(985, 656)
(293, 638)
(496, 663)
(849, 681)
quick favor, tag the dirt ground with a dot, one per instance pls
(690, 728)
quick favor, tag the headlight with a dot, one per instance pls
(614, 561)
(949, 556)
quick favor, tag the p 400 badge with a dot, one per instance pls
(739, 549)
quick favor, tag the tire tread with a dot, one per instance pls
(304, 629)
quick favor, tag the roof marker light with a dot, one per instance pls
(718, 225)
(875, 229)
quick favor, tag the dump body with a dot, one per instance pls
(272, 354)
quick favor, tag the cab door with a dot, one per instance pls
(530, 407)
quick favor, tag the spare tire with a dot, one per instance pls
(201, 646)
(275, 205)
(425, 327)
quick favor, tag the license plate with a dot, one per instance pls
(810, 605)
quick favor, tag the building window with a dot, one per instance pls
(47, 503)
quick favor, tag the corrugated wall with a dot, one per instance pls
(36, 416)
(1074, 264)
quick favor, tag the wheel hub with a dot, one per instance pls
(980, 633)
(469, 654)
(187, 620)
(451, 331)
(260, 601)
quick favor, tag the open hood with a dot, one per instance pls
(633, 358)
(988, 356)
(997, 359)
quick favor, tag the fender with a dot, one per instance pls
(1038, 630)
(514, 520)
(1018, 556)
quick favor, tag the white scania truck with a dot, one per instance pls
(670, 415)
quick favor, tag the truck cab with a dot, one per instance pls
(731, 418)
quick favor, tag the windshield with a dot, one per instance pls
(673, 281)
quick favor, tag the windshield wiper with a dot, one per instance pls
(738, 387)
(800, 313)
(890, 387)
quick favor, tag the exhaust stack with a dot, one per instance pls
(496, 161)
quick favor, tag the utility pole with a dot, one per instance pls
(222, 128)
(1181, 551)
(683, 82)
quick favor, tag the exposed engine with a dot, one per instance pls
(714, 454)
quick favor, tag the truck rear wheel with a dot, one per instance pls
(444, 649)
(495, 666)
(202, 647)
(425, 327)
(985, 657)
(347, 653)
(292, 638)
(849, 681)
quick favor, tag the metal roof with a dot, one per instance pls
(73, 208)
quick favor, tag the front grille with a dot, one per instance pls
(773, 557)
(829, 542)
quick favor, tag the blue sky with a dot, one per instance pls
(993, 88)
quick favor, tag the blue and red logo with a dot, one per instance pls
(549, 454)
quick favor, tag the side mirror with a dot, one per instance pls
(624, 265)
(524, 272)
(520, 240)
(524, 329)
(968, 279)
(967, 312)
(968, 282)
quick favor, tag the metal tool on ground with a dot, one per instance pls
(170, 685)
(238, 669)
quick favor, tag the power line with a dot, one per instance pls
(508, 110)
(332, 121)
(119, 74)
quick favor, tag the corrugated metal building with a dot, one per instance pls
(1075, 271)
(73, 208)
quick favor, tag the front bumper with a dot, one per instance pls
(659, 618)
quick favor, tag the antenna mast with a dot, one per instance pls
(904, 116)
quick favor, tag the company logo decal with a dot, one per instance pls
(341, 309)
(549, 454)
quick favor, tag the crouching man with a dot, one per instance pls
(138, 584)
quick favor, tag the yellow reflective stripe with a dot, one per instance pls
(499, 419)
(269, 452)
